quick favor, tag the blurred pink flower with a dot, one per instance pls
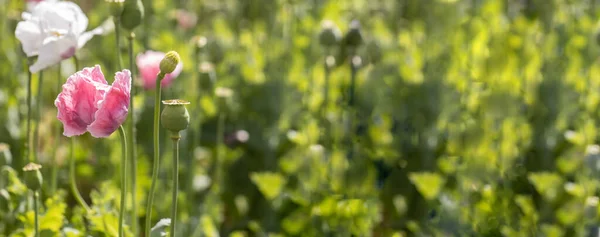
(148, 65)
(88, 103)
(185, 19)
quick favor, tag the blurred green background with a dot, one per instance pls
(469, 118)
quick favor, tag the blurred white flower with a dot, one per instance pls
(53, 31)
(31, 4)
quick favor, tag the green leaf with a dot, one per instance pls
(428, 184)
(270, 184)
(159, 229)
(546, 183)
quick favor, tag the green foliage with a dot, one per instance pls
(470, 118)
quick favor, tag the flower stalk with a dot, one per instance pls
(38, 116)
(155, 165)
(74, 189)
(54, 172)
(175, 137)
(37, 213)
(131, 141)
(123, 179)
(167, 65)
(28, 128)
(175, 118)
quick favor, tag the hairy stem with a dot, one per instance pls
(54, 172)
(74, 189)
(131, 141)
(123, 179)
(37, 213)
(38, 116)
(175, 137)
(156, 164)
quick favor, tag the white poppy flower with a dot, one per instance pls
(53, 31)
(31, 4)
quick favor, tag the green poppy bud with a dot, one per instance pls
(330, 34)
(354, 37)
(132, 14)
(175, 116)
(116, 7)
(5, 155)
(169, 62)
(33, 176)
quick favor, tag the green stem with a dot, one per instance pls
(351, 103)
(28, 132)
(131, 141)
(35, 209)
(38, 108)
(123, 179)
(155, 166)
(76, 61)
(176, 137)
(117, 21)
(57, 133)
(74, 189)
(148, 8)
(219, 152)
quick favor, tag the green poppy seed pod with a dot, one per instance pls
(132, 14)
(169, 62)
(200, 43)
(215, 51)
(207, 77)
(354, 37)
(374, 52)
(330, 34)
(224, 96)
(33, 176)
(5, 155)
(116, 7)
(175, 116)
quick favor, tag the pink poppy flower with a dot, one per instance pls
(148, 65)
(88, 104)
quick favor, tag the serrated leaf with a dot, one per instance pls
(428, 184)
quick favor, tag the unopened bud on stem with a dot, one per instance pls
(169, 62)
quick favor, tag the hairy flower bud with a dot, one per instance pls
(33, 176)
(175, 116)
(330, 34)
(169, 62)
(132, 14)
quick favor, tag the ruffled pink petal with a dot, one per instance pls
(112, 111)
(77, 103)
